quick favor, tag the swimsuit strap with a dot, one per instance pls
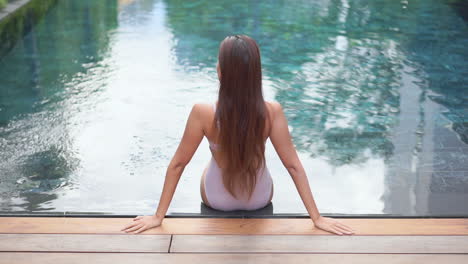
(213, 146)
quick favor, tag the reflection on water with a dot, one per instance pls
(374, 92)
(39, 77)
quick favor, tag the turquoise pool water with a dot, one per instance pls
(94, 96)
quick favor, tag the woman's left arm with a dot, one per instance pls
(191, 139)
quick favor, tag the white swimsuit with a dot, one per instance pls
(218, 196)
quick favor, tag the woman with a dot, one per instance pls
(237, 127)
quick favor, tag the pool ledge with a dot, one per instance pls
(245, 226)
(11, 8)
(218, 240)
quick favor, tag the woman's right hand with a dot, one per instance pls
(333, 226)
(142, 223)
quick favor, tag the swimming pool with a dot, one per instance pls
(94, 96)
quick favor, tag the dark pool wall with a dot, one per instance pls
(433, 162)
(38, 59)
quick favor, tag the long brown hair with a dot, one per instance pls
(241, 113)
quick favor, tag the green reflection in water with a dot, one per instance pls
(335, 65)
(50, 44)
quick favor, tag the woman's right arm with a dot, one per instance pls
(189, 143)
(282, 142)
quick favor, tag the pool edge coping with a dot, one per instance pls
(11, 8)
(232, 216)
(223, 226)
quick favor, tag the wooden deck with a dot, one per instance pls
(217, 240)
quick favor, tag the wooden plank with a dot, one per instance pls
(286, 226)
(145, 258)
(318, 244)
(84, 243)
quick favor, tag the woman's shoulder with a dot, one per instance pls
(273, 104)
(274, 108)
(202, 106)
(203, 110)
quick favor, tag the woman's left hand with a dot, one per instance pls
(142, 223)
(333, 226)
